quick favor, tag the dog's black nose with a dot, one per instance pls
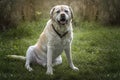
(62, 15)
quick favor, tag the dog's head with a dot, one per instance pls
(62, 14)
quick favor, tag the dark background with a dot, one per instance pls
(13, 12)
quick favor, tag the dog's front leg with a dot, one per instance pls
(49, 61)
(69, 58)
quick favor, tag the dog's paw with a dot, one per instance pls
(49, 71)
(30, 69)
(75, 68)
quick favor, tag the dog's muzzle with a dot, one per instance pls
(63, 19)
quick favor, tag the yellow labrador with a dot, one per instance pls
(55, 38)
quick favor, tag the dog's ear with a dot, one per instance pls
(72, 15)
(51, 12)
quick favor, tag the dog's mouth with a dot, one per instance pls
(62, 21)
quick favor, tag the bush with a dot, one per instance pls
(12, 12)
(103, 11)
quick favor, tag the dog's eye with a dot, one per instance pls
(58, 11)
(66, 11)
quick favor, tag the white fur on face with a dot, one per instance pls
(58, 10)
(58, 17)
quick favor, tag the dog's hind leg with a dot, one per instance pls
(57, 61)
(29, 58)
(27, 65)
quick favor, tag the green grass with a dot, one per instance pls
(95, 51)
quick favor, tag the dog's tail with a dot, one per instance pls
(17, 57)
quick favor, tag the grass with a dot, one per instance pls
(95, 51)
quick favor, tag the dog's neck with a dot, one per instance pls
(60, 35)
(61, 28)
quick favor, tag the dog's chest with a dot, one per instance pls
(59, 44)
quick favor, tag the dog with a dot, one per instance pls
(56, 37)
